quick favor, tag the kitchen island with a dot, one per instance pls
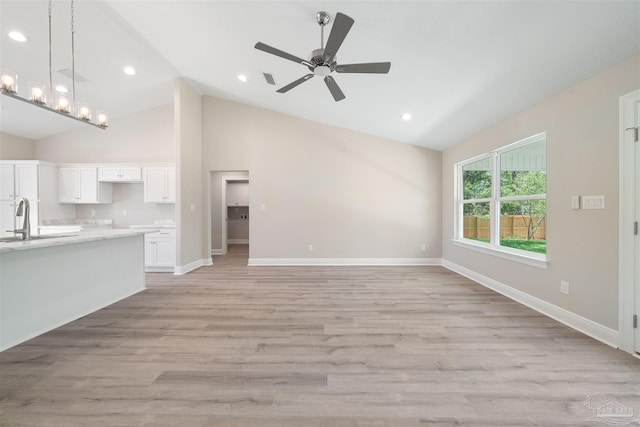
(49, 282)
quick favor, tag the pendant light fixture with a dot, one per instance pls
(61, 104)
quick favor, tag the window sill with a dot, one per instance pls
(532, 259)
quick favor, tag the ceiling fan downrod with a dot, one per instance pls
(323, 19)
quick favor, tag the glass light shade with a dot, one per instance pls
(63, 105)
(102, 119)
(84, 112)
(9, 82)
(38, 93)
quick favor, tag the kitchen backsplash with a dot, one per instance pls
(128, 208)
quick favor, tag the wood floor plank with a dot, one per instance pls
(229, 345)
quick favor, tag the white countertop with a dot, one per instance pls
(85, 236)
(152, 226)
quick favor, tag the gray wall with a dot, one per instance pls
(142, 137)
(16, 148)
(189, 202)
(348, 194)
(582, 125)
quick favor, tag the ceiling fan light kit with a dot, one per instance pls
(322, 62)
(38, 93)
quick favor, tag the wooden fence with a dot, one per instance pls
(511, 226)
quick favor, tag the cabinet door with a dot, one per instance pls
(88, 185)
(243, 194)
(116, 174)
(7, 218)
(131, 174)
(232, 195)
(110, 174)
(149, 252)
(26, 182)
(69, 185)
(171, 185)
(6, 182)
(165, 252)
(154, 185)
(160, 185)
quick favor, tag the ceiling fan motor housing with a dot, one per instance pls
(317, 59)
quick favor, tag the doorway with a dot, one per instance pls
(229, 217)
(629, 253)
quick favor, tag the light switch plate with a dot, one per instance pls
(575, 202)
(592, 202)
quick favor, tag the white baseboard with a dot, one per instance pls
(184, 269)
(217, 252)
(238, 241)
(159, 269)
(342, 261)
(588, 327)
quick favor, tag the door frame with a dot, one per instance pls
(224, 180)
(626, 252)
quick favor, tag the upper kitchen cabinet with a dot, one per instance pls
(80, 185)
(18, 180)
(120, 174)
(238, 194)
(160, 184)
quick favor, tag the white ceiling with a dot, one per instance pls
(457, 66)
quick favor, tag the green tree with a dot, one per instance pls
(476, 185)
(525, 183)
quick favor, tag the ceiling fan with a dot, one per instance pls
(322, 62)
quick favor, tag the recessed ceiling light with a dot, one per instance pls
(406, 116)
(129, 71)
(242, 77)
(61, 89)
(17, 36)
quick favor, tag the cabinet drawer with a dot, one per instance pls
(169, 232)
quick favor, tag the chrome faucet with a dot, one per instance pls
(23, 210)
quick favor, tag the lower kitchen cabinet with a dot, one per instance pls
(160, 250)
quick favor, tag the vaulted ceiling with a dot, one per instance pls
(456, 66)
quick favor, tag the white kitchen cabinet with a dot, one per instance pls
(81, 185)
(160, 184)
(238, 194)
(160, 250)
(7, 182)
(26, 182)
(18, 181)
(120, 174)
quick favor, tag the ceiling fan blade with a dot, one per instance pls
(334, 88)
(272, 50)
(294, 84)
(341, 27)
(371, 67)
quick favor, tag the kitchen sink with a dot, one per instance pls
(46, 236)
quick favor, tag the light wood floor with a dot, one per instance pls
(230, 345)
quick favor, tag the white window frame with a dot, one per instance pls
(493, 247)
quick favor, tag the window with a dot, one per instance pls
(502, 201)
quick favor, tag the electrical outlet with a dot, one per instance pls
(93, 212)
(564, 287)
(423, 247)
(124, 212)
(310, 248)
